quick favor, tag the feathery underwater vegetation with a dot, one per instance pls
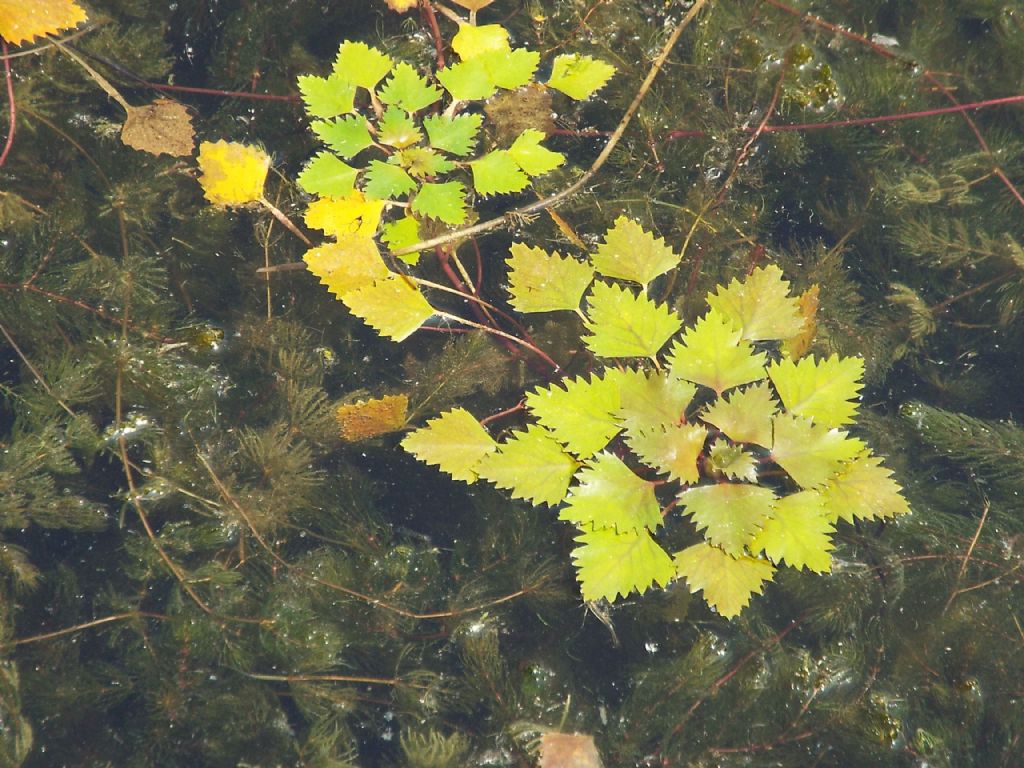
(225, 539)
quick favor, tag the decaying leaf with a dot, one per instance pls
(163, 127)
(568, 750)
(372, 418)
(232, 173)
(23, 20)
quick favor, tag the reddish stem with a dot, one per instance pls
(427, 12)
(12, 111)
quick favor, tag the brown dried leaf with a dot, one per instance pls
(163, 127)
(797, 346)
(568, 750)
(372, 418)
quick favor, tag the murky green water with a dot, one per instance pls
(197, 570)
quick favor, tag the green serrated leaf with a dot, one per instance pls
(454, 442)
(863, 490)
(732, 461)
(760, 306)
(456, 135)
(745, 416)
(727, 581)
(360, 64)
(823, 390)
(401, 233)
(531, 156)
(578, 76)
(422, 162)
(327, 96)
(811, 453)
(611, 563)
(328, 176)
(394, 307)
(650, 400)
(730, 514)
(672, 449)
(630, 253)
(712, 353)
(496, 173)
(348, 136)
(608, 495)
(386, 182)
(397, 129)
(445, 202)
(511, 69)
(531, 465)
(468, 80)
(581, 415)
(623, 324)
(408, 90)
(545, 282)
(799, 533)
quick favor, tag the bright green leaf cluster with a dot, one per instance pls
(407, 138)
(743, 443)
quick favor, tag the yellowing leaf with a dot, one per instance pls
(609, 495)
(454, 442)
(713, 353)
(729, 513)
(821, 390)
(568, 750)
(732, 461)
(811, 453)
(470, 41)
(371, 418)
(630, 253)
(760, 306)
(232, 174)
(623, 324)
(579, 76)
(531, 156)
(21, 21)
(799, 533)
(745, 416)
(582, 415)
(650, 400)
(797, 347)
(360, 64)
(545, 282)
(673, 449)
(345, 216)
(531, 465)
(864, 490)
(727, 581)
(346, 265)
(393, 306)
(611, 563)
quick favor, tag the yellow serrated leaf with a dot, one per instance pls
(727, 581)
(822, 390)
(346, 265)
(760, 306)
(608, 494)
(672, 450)
(798, 532)
(545, 282)
(455, 442)
(797, 347)
(232, 173)
(730, 514)
(631, 253)
(811, 453)
(23, 20)
(345, 216)
(371, 418)
(714, 354)
(393, 306)
(613, 563)
(745, 416)
(531, 465)
(864, 490)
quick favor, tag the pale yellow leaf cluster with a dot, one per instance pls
(21, 21)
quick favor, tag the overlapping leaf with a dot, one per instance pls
(630, 253)
(732, 461)
(863, 490)
(745, 415)
(346, 265)
(392, 306)
(730, 514)
(650, 401)
(726, 581)
(581, 415)
(760, 306)
(823, 390)
(612, 563)
(623, 324)
(544, 282)
(811, 453)
(609, 495)
(672, 449)
(497, 173)
(798, 533)
(348, 136)
(397, 129)
(714, 354)
(345, 216)
(454, 442)
(386, 182)
(531, 156)
(531, 465)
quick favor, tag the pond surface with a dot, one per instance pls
(200, 566)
